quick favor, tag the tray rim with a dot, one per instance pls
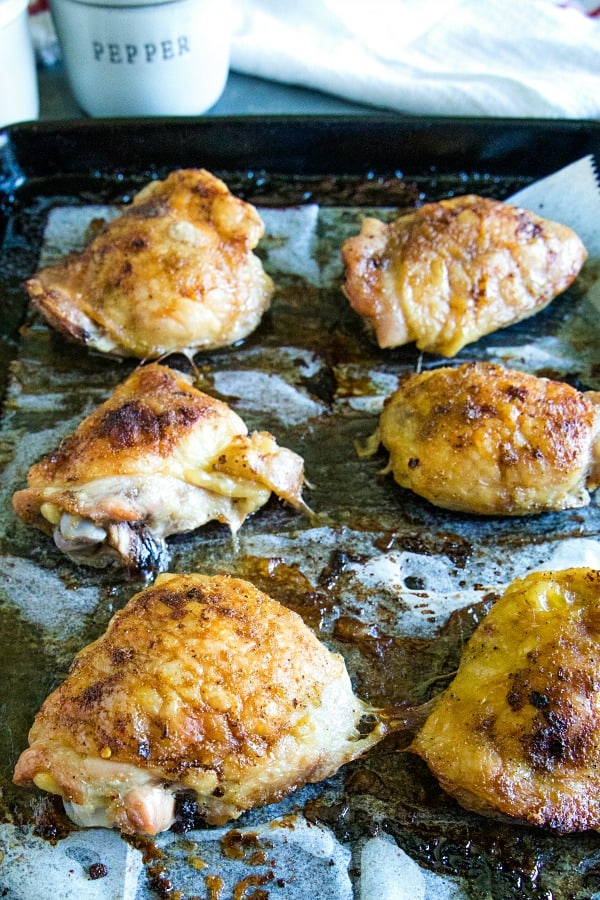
(293, 144)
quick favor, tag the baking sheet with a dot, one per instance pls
(392, 583)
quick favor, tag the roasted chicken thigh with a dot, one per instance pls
(483, 439)
(450, 272)
(517, 732)
(159, 457)
(200, 685)
(174, 272)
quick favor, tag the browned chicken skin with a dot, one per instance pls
(450, 272)
(480, 438)
(158, 458)
(517, 732)
(174, 272)
(200, 684)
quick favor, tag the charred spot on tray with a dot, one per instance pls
(414, 583)
(187, 815)
(97, 870)
(322, 385)
(367, 723)
(367, 636)
(385, 541)
(338, 563)
(245, 846)
(159, 880)
(366, 781)
(457, 548)
(243, 886)
(50, 820)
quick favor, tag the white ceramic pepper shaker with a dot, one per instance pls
(144, 57)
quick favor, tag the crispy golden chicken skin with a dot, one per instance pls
(174, 272)
(200, 684)
(159, 457)
(517, 732)
(479, 438)
(450, 272)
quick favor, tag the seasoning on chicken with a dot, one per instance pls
(174, 272)
(517, 732)
(450, 272)
(159, 457)
(201, 685)
(479, 438)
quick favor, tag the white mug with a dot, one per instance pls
(19, 97)
(144, 58)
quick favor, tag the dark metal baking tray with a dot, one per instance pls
(334, 164)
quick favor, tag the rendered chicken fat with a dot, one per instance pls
(158, 458)
(517, 732)
(174, 272)
(450, 272)
(479, 438)
(200, 684)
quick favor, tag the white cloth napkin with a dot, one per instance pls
(515, 58)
